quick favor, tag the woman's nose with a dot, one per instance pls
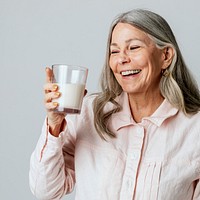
(123, 58)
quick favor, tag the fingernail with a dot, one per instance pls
(57, 94)
(55, 104)
(55, 87)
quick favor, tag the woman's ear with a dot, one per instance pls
(168, 54)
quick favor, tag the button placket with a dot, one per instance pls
(133, 162)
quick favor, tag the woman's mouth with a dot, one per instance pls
(130, 72)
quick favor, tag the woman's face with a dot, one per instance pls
(135, 60)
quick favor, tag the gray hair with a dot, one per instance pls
(177, 86)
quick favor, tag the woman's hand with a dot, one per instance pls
(55, 120)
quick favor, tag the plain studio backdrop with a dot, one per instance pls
(38, 33)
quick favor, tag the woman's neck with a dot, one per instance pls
(144, 105)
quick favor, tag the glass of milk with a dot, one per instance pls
(71, 81)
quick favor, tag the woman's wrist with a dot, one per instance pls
(56, 129)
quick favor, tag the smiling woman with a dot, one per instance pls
(141, 30)
(128, 142)
(136, 61)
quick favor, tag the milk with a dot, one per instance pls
(71, 97)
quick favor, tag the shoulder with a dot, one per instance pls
(85, 118)
(189, 121)
(89, 98)
(88, 101)
(87, 106)
(195, 119)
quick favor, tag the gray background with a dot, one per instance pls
(37, 33)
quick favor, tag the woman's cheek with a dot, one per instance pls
(113, 65)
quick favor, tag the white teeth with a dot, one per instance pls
(129, 72)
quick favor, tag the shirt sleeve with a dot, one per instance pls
(51, 172)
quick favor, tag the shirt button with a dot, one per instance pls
(130, 184)
(134, 156)
(140, 130)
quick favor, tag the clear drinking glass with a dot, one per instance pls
(71, 81)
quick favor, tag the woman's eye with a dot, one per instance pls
(134, 47)
(114, 52)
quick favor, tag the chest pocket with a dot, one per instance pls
(148, 181)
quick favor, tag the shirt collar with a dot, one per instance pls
(163, 112)
(124, 117)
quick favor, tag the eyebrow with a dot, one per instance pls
(127, 41)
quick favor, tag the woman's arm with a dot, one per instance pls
(52, 165)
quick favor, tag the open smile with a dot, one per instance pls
(130, 72)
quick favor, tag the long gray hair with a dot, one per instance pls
(176, 85)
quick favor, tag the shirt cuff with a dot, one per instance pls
(49, 142)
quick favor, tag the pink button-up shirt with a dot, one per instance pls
(157, 159)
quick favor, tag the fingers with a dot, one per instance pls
(51, 96)
(50, 87)
(51, 105)
(49, 99)
(49, 75)
(50, 91)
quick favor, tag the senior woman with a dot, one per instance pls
(137, 139)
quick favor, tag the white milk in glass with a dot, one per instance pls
(71, 97)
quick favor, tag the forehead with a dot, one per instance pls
(125, 31)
